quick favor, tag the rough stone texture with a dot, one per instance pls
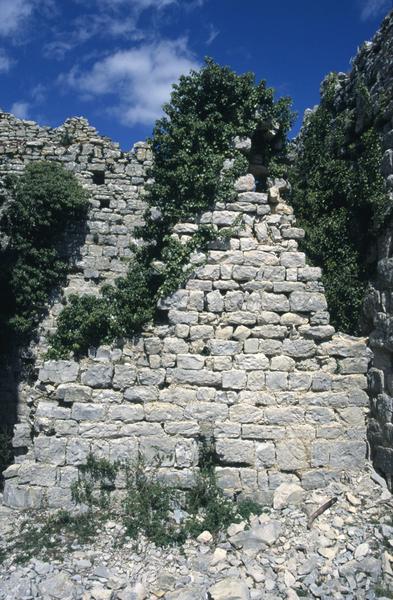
(99, 251)
(374, 62)
(248, 364)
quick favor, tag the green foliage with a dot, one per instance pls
(339, 197)
(208, 108)
(145, 507)
(43, 202)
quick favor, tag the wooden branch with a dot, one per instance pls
(320, 511)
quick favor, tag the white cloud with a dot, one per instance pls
(5, 62)
(20, 109)
(213, 33)
(371, 9)
(13, 15)
(140, 79)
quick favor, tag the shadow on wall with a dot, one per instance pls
(17, 368)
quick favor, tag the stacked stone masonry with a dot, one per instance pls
(246, 356)
(374, 64)
(114, 181)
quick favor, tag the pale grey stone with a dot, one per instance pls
(251, 362)
(235, 379)
(49, 449)
(125, 375)
(22, 496)
(163, 412)
(229, 589)
(98, 376)
(274, 302)
(246, 183)
(190, 361)
(141, 394)
(307, 302)
(234, 451)
(128, 413)
(214, 301)
(265, 454)
(292, 259)
(59, 371)
(82, 411)
(193, 377)
(224, 347)
(73, 392)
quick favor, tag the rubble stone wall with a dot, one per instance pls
(114, 181)
(374, 63)
(246, 355)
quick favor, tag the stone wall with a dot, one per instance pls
(246, 355)
(374, 62)
(114, 181)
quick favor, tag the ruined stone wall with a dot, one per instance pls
(246, 355)
(114, 181)
(374, 63)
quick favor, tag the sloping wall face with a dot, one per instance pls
(247, 357)
(375, 64)
(114, 181)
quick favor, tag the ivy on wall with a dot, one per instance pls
(37, 209)
(190, 143)
(339, 195)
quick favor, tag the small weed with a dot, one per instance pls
(382, 592)
(147, 507)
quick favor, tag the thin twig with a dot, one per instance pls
(320, 510)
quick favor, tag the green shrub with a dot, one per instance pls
(340, 199)
(208, 108)
(43, 203)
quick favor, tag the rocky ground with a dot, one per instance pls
(346, 553)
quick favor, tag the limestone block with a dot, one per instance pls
(307, 302)
(283, 415)
(233, 301)
(278, 380)
(123, 449)
(77, 451)
(22, 435)
(309, 273)
(91, 430)
(199, 332)
(299, 348)
(140, 429)
(158, 450)
(274, 302)
(256, 398)
(226, 429)
(127, 413)
(291, 455)
(253, 197)
(292, 259)
(251, 362)
(225, 217)
(190, 361)
(59, 371)
(354, 416)
(353, 365)
(193, 377)
(214, 302)
(234, 451)
(22, 496)
(50, 449)
(81, 411)
(178, 395)
(270, 331)
(338, 454)
(182, 428)
(242, 317)
(299, 381)
(256, 380)
(244, 273)
(98, 376)
(234, 379)
(228, 478)
(173, 345)
(224, 347)
(125, 375)
(282, 363)
(246, 183)
(186, 453)
(148, 376)
(206, 411)
(73, 392)
(246, 413)
(265, 454)
(163, 411)
(182, 316)
(141, 393)
(37, 474)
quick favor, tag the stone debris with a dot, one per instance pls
(346, 555)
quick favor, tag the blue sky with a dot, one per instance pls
(114, 61)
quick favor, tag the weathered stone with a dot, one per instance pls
(229, 589)
(98, 376)
(287, 494)
(59, 371)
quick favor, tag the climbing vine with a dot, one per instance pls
(339, 195)
(38, 207)
(190, 143)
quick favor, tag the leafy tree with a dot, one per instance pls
(190, 143)
(38, 208)
(339, 197)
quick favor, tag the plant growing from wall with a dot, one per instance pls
(38, 208)
(190, 143)
(339, 196)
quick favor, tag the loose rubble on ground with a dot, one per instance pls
(346, 553)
